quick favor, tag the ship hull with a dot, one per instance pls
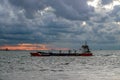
(61, 54)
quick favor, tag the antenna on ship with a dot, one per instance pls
(85, 47)
(85, 42)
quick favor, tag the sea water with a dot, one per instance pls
(19, 65)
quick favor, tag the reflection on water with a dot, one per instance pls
(19, 65)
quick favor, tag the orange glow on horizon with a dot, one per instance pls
(27, 46)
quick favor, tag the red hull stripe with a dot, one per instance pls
(83, 54)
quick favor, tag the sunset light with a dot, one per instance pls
(25, 46)
(59, 39)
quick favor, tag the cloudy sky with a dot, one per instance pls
(60, 23)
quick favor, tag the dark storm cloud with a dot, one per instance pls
(31, 6)
(77, 9)
(51, 32)
(14, 29)
(28, 4)
(64, 23)
(12, 34)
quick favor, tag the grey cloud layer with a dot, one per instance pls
(69, 21)
(71, 9)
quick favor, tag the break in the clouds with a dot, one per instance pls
(62, 23)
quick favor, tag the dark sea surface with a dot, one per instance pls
(19, 65)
